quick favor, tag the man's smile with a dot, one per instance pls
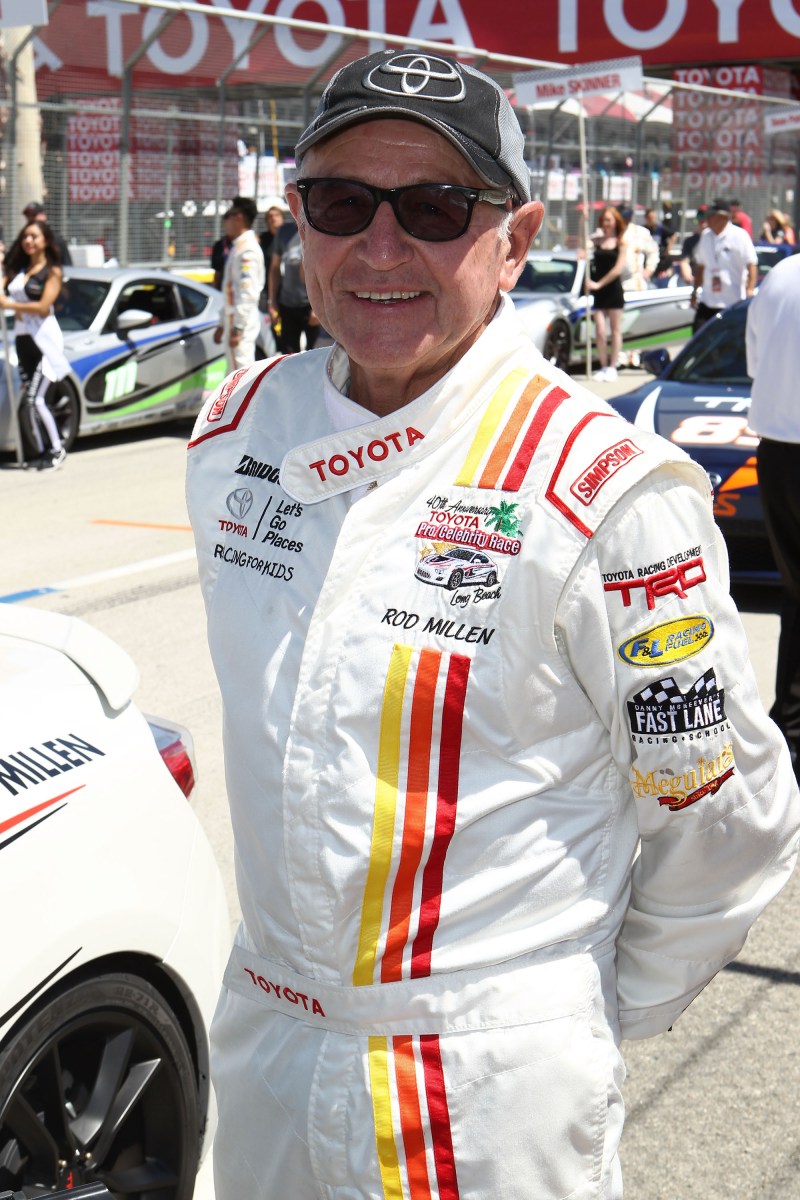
(387, 297)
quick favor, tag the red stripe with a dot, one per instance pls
(447, 799)
(234, 423)
(550, 493)
(439, 1114)
(31, 812)
(530, 443)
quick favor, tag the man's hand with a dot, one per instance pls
(219, 333)
(234, 338)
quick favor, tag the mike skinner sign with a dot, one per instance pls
(616, 75)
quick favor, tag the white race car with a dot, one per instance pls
(115, 928)
(455, 566)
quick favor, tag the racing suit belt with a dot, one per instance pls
(520, 992)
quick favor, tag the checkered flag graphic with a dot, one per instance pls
(703, 686)
(665, 691)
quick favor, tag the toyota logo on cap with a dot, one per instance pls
(417, 75)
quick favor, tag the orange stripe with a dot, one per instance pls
(411, 1119)
(417, 788)
(510, 432)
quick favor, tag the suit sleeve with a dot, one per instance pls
(249, 286)
(656, 642)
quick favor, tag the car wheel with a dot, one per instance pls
(455, 580)
(99, 1085)
(557, 349)
(491, 579)
(64, 405)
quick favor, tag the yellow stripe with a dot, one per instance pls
(380, 857)
(489, 425)
(382, 1111)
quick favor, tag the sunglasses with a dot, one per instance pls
(432, 212)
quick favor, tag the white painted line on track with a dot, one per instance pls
(134, 568)
(146, 564)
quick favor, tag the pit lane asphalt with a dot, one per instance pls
(712, 1105)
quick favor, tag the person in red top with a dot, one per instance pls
(741, 218)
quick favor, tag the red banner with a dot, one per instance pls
(97, 37)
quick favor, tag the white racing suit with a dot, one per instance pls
(501, 784)
(242, 285)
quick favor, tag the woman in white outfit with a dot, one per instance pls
(33, 282)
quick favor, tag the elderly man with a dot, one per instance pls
(501, 786)
(725, 265)
(243, 281)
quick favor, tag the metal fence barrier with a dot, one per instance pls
(141, 172)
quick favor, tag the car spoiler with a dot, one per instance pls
(111, 669)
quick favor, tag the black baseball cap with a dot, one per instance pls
(464, 105)
(33, 206)
(719, 206)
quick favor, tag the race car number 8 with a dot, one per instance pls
(714, 431)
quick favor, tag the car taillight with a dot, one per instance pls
(175, 747)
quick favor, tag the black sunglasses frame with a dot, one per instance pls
(393, 197)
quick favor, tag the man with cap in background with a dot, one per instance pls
(473, 639)
(725, 265)
(242, 284)
(34, 210)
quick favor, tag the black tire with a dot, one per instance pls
(99, 1084)
(65, 407)
(491, 579)
(557, 345)
(455, 580)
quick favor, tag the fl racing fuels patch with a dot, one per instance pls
(662, 712)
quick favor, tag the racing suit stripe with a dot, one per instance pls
(413, 1140)
(380, 858)
(439, 1115)
(228, 386)
(446, 801)
(419, 758)
(382, 1113)
(489, 425)
(416, 1154)
(516, 472)
(510, 431)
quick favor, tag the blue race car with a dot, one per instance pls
(701, 400)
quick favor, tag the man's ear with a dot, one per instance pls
(295, 203)
(525, 224)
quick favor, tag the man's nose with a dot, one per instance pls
(384, 240)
